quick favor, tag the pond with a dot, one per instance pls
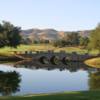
(29, 77)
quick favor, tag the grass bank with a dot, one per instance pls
(42, 47)
(95, 62)
(87, 95)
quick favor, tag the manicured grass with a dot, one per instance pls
(9, 51)
(88, 95)
(95, 62)
(42, 47)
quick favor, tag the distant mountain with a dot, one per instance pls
(47, 34)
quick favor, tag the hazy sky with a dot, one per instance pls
(59, 14)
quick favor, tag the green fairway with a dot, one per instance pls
(89, 95)
(43, 47)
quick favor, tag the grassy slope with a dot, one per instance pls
(89, 95)
(42, 47)
(95, 62)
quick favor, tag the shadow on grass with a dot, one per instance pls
(86, 95)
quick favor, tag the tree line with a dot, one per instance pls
(72, 39)
(10, 36)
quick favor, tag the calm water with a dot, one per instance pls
(30, 78)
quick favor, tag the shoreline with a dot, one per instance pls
(9, 58)
(76, 95)
(95, 62)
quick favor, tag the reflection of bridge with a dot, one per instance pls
(54, 57)
(71, 66)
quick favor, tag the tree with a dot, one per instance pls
(9, 82)
(2, 36)
(84, 41)
(12, 34)
(71, 39)
(9, 34)
(95, 39)
(59, 43)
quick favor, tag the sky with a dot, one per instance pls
(63, 15)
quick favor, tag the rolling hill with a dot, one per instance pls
(47, 34)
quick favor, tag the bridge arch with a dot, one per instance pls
(44, 60)
(55, 60)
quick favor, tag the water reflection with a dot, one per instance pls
(71, 66)
(94, 80)
(45, 78)
(9, 82)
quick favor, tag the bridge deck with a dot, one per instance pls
(72, 57)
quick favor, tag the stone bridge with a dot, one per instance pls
(54, 57)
